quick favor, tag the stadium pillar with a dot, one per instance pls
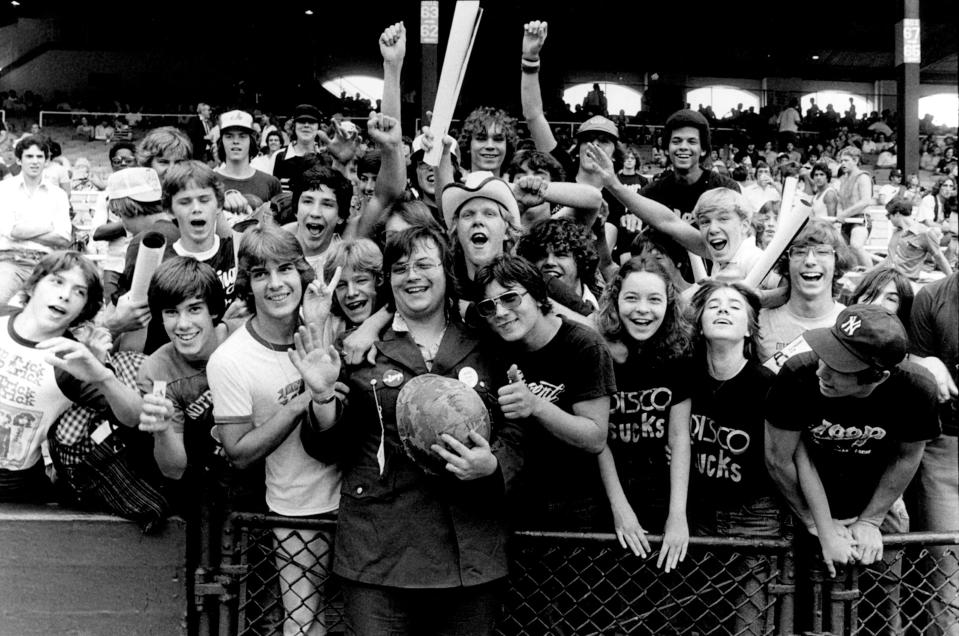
(429, 41)
(907, 58)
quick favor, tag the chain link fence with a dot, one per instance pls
(275, 579)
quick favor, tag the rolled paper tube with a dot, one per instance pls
(237, 237)
(466, 18)
(149, 256)
(698, 266)
(791, 221)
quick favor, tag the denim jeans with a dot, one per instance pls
(374, 610)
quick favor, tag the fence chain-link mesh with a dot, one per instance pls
(914, 589)
(591, 585)
(283, 583)
(564, 584)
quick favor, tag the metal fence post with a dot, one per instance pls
(785, 590)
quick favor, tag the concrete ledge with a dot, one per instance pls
(69, 572)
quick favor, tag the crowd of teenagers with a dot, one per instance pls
(628, 390)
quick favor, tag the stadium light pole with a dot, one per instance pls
(908, 56)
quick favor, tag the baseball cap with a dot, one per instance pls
(236, 119)
(864, 337)
(139, 184)
(481, 184)
(306, 112)
(598, 124)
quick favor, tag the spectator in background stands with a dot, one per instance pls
(163, 147)
(236, 147)
(294, 159)
(912, 243)
(85, 130)
(272, 142)
(855, 195)
(201, 133)
(34, 218)
(107, 226)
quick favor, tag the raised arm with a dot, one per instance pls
(391, 179)
(651, 212)
(534, 36)
(393, 50)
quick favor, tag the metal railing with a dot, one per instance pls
(275, 578)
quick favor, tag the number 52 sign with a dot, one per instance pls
(908, 49)
(429, 22)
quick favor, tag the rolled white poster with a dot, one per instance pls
(149, 256)
(698, 265)
(237, 237)
(466, 19)
(791, 221)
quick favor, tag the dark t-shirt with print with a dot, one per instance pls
(727, 429)
(639, 431)
(680, 196)
(852, 440)
(261, 185)
(574, 366)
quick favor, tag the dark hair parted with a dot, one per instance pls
(698, 304)
(253, 151)
(59, 261)
(180, 175)
(320, 175)
(262, 244)
(32, 140)
(403, 244)
(672, 340)
(512, 271)
(185, 278)
(561, 236)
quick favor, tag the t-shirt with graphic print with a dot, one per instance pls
(727, 429)
(646, 391)
(574, 366)
(33, 394)
(851, 440)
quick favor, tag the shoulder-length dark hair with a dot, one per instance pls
(698, 304)
(403, 245)
(875, 280)
(672, 340)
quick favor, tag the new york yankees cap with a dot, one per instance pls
(864, 337)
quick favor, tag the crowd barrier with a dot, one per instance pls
(574, 584)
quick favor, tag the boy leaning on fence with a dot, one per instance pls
(846, 424)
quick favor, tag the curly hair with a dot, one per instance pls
(481, 120)
(561, 236)
(672, 340)
(698, 304)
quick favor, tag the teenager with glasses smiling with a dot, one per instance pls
(416, 553)
(812, 267)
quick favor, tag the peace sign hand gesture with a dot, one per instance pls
(318, 298)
